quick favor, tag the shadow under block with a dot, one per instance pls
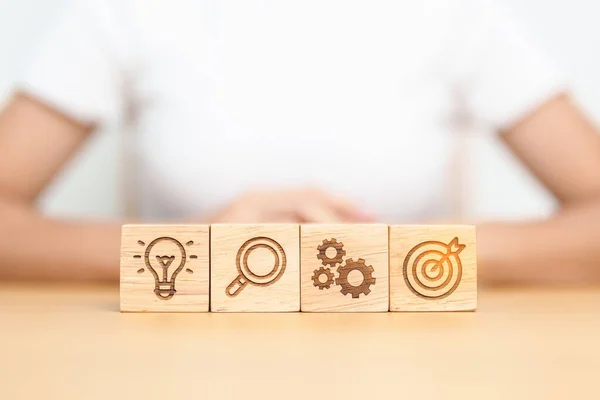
(344, 268)
(433, 268)
(165, 268)
(255, 268)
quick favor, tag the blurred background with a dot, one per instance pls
(566, 30)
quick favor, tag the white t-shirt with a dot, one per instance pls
(356, 97)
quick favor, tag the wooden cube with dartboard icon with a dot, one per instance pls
(165, 268)
(255, 268)
(344, 268)
(433, 268)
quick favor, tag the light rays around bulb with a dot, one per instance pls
(143, 244)
(189, 271)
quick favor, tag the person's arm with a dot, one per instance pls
(35, 142)
(562, 148)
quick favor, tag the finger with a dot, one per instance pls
(348, 211)
(310, 205)
(318, 212)
(239, 215)
(262, 206)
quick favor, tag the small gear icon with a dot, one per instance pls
(340, 252)
(365, 270)
(317, 278)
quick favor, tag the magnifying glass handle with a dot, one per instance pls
(238, 283)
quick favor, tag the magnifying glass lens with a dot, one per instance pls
(274, 254)
(258, 259)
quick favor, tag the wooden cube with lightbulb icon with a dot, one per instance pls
(344, 268)
(433, 268)
(165, 268)
(255, 268)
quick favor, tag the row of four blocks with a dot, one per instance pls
(289, 267)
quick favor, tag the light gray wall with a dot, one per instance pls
(499, 186)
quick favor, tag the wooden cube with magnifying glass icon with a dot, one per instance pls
(165, 268)
(344, 268)
(255, 268)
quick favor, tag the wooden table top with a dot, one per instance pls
(72, 343)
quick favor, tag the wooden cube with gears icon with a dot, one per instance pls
(344, 268)
(433, 268)
(255, 268)
(165, 268)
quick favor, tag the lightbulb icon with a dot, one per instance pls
(165, 258)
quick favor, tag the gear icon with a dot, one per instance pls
(365, 270)
(340, 252)
(317, 278)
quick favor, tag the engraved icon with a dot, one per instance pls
(246, 275)
(433, 270)
(323, 277)
(363, 287)
(165, 258)
(339, 252)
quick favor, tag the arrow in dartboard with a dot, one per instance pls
(452, 249)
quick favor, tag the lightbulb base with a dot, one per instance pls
(165, 293)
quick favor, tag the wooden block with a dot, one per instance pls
(255, 268)
(344, 268)
(165, 268)
(433, 268)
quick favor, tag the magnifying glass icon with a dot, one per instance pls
(246, 276)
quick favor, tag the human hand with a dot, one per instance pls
(294, 206)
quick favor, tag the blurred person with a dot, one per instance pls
(294, 111)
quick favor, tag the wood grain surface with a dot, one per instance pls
(255, 268)
(149, 253)
(353, 259)
(433, 268)
(65, 342)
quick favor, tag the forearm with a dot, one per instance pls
(563, 249)
(35, 247)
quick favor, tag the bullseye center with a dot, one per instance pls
(331, 252)
(355, 278)
(433, 270)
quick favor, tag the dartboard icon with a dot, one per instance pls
(432, 269)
